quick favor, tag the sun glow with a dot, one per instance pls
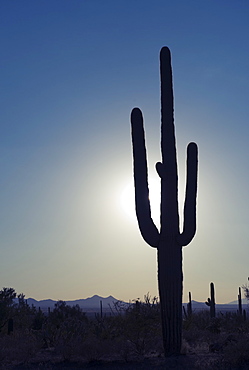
(127, 200)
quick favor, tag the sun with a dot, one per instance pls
(127, 199)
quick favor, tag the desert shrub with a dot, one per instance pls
(201, 320)
(142, 326)
(132, 330)
(38, 320)
(137, 330)
(21, 346)
(195, 328)
(231, 322)
(64, 326)
(23, 314)
(70, 337)
(225, 338)
(236, 352)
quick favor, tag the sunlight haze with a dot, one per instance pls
(71, 72)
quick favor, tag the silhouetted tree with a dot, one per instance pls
(14, 310)
(7, 296)
(169, 240)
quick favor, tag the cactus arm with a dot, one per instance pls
(189, 225)
(208, 302)
(146, 225)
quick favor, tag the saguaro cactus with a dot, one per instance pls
(169, 241)
(211, 301)
(188, 313)
(189, 305)
(240, 303)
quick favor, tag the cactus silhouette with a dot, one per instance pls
(211, 301)
(169, 241)
(240, 312)
(189, 305)
(189, 312)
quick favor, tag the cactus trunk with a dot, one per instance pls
(169, 241)
(189, 306)
(170, 293)
(212, 305)
(240, 303)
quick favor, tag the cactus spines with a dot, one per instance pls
(169, 241)
(211, 301)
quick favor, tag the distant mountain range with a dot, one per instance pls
(87, 304)
(244, 301)
(92, 304)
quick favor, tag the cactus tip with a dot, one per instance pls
(193, 148)
(135, 110)
(136, 114)
(165, 50)
(165, 53)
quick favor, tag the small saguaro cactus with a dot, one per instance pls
(211, 301)
(240, 303)
(168, 241)
(189, 305)
(188, 313)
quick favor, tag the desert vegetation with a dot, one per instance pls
(130, 336)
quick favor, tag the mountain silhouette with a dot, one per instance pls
(87, 303)
(93, 304)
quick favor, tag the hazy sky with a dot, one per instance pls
(71, 72)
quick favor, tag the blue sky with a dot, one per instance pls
(71, 72)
